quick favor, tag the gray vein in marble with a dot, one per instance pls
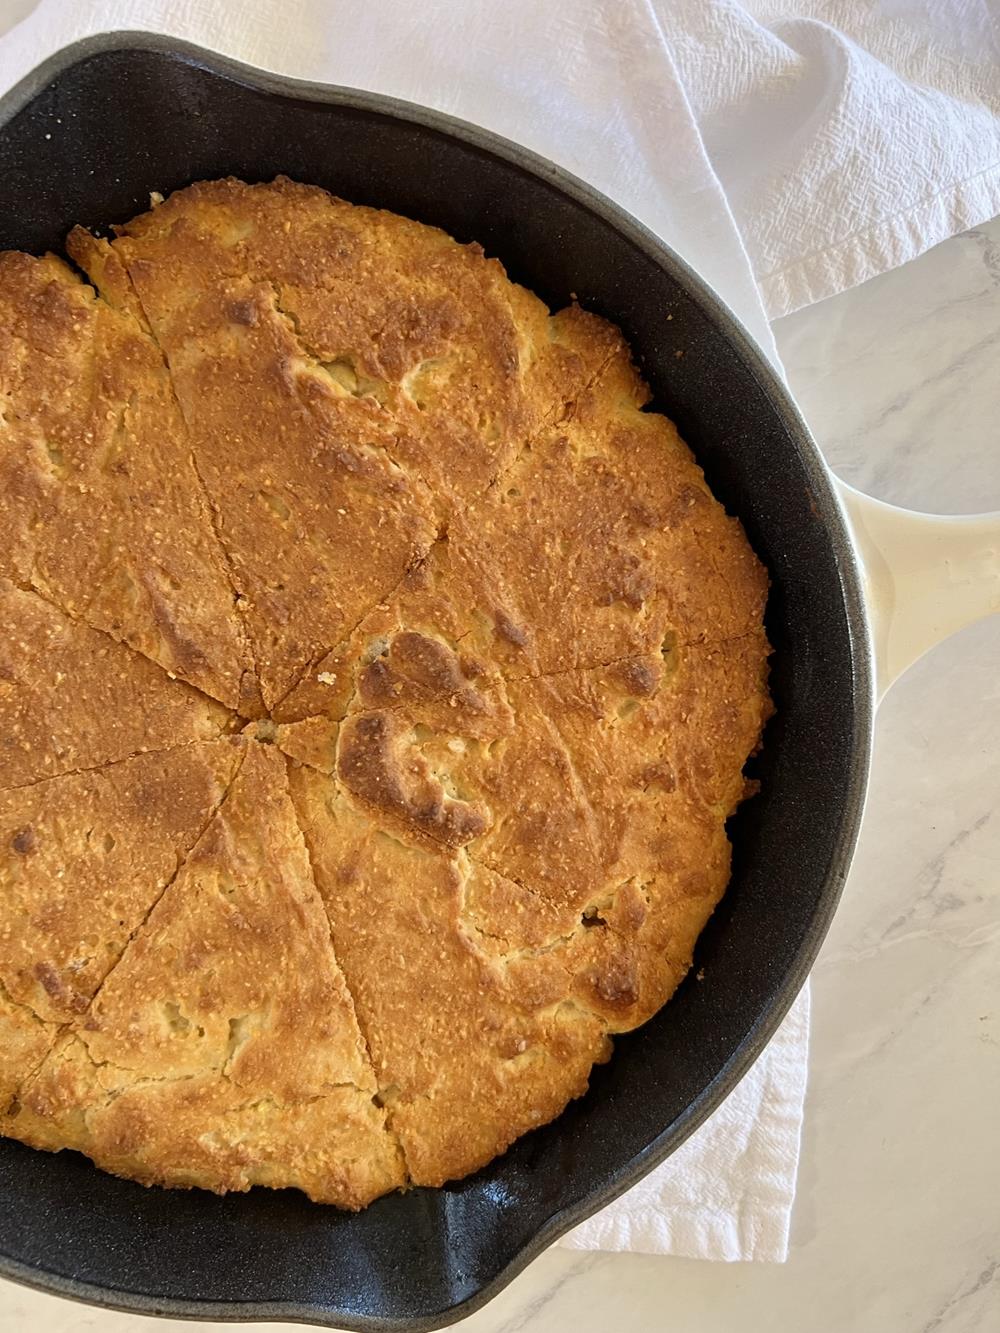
(984, 1280)
(990, 247)
(933, 876)
(523, 1319)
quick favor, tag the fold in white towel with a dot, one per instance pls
(835, 166)
(848, 135)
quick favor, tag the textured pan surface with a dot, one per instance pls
(129, 114)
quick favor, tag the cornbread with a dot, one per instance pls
(377, 678)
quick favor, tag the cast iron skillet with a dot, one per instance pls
(84, 139)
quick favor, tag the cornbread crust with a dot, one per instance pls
(621, 552)
(387, 309)
(471, 595)
(96, 484)
(72, 698)
(223, 1051)
(83, 858)
(363, 375)
(464, 1061)
(598, 800)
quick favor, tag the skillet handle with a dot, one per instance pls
(925, 576)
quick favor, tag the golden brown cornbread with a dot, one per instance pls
(377, 678)
(97, 482)
(72, 698)
(464, 1063)
(83, 858)
(223, 1048)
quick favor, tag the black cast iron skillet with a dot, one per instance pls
(84, 140)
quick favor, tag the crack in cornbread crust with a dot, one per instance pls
(449, 999)
(73, 698)
(526, 777)
(225, 1030)
(94, 488)
(385, 1104)
(75, 897)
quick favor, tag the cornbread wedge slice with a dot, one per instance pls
(97, 485)
(83, 859)
(223, 1050)
(72, 698)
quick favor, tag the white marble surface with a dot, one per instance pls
(897, 1224)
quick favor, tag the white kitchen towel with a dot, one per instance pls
(848, 135)
(590, 84)
(726, 1193)
(594, 85)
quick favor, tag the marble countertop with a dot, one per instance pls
(897, 1222)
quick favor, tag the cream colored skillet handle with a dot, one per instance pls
(925, 575)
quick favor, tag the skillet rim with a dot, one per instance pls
(830, 513)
